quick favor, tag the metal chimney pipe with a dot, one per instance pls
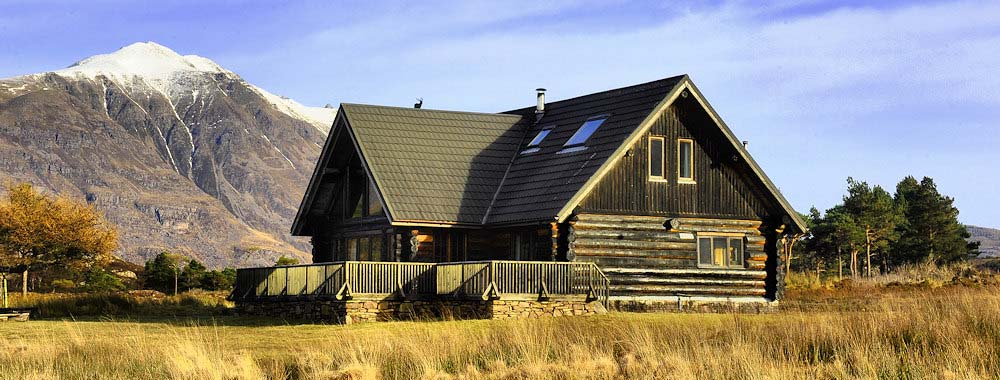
(540, 108)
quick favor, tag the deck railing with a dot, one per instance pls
(505, 279)
(469, 279)
(340, 280)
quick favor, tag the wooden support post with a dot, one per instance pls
(491, 292)
(3, 289)
(344, 292)
(554, 229)
(543, 291)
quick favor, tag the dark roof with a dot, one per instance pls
(443, 166)
(540, 184)
(467, 168)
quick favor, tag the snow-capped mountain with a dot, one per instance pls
(181, 153)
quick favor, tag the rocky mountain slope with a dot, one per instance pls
(988, 238)
(180, 153)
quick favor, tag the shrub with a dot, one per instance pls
(63, 284)
(286, 261)
(99, 280)
(219, 280)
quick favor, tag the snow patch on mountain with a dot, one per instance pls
(318, 116)
(175, 76)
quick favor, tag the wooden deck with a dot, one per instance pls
(486, 280)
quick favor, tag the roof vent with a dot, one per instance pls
(419, 103)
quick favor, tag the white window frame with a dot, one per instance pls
(686, 180)
(663, 159)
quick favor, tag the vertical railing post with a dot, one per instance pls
(493, 267)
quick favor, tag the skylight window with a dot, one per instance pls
(586, 130)
(535, 142)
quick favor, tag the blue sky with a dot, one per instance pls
(822, 90)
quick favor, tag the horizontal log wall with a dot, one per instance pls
(650, 256)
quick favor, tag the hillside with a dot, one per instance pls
(989, 239)
(180, 153)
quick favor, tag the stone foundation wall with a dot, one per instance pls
(533, 309)
(359, 311)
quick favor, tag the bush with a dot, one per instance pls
(219, 280)
(63, 284)
(284, 261)
(99, 280)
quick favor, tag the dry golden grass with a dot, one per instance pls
(943, 333)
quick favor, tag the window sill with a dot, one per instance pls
(571, 149)
(686, 182)
(705, 266)
(658, 179)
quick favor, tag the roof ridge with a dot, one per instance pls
(503, 115)
(636, 87)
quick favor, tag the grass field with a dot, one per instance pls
(949, 332)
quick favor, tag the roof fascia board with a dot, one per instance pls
(430, 223)
(647, 123)
(386, 205)
(315, 179)
(793, 215)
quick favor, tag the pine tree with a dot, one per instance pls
(192, 275)
(162, 272)
(876, 214)
(931, 232)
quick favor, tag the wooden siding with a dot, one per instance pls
(719, 191)
(643, 257)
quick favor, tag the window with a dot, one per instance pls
(586, 130)
(685, 161)
(720, 251)
(656, 158)
(365, 199)
(535, 142)
(365, 248)
(374, 203)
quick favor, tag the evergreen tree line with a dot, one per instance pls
(873, 231)
(172, 273)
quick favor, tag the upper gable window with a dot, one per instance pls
(656, 158)
(586, 130)
(535, 142)
(685, 161)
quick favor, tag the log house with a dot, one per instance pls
(646, 181)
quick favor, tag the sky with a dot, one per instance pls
(822, 90)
